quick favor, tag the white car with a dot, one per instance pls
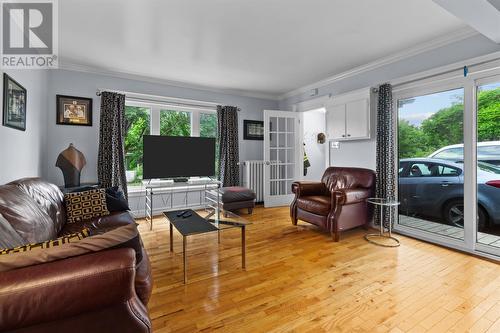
(488, 152)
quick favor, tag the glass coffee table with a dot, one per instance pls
(204, 221)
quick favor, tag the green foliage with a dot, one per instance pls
(411, 140)
(175, 123)
(445, 127)
(137, 124)
(208, 125)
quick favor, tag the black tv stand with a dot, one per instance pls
(180, 180)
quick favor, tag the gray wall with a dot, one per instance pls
(21, 152)
(86, 138)
(362, 153)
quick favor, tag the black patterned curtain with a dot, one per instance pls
(227, 137)
(111, 158)
(386, 150)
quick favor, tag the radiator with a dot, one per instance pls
(253, 178)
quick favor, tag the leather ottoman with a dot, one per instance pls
(236, 197)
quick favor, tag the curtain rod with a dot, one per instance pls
(172, 101)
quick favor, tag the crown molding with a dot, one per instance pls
(73, 66)
(456, 36)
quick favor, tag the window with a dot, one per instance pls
(137, 124)
(430, 193)
(208, 125)
(175, 123)
(144, 119)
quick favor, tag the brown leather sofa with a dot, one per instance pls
(105, 291)
(337, 202)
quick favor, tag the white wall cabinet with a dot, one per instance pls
(348, 117)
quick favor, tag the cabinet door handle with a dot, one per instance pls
(343, 135)
(348, 134)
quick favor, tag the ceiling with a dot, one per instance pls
(260, 46)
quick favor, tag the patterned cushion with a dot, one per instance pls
(49, 244)
(85, 205)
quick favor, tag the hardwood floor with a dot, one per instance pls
(298, 280)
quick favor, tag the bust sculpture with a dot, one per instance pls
(71, 162)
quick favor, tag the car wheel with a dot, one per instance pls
(454, 215)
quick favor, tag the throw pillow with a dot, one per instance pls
(126, 236)
(116, 200)
(85, 205)
(48, 244)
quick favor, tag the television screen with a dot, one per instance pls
(178, 156)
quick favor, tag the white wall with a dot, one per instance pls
(314, 122)
(22, 153)
(362, 153)
(86, 139)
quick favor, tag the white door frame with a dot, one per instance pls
(282, 199)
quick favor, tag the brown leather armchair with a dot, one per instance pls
(336, 203)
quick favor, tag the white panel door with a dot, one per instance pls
(357, 119)
(281, 153)
(335, 121)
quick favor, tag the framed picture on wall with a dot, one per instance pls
(14, 104)
(73, 110)
(253, 130)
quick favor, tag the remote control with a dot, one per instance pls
(182, 213)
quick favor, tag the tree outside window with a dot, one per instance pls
(137, 124)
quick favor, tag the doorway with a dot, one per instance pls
(313, 145)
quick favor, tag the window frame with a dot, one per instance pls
(157, 107)
(154, 115)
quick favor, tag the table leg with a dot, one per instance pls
(151, 202)
(381, 220)
(184, 257)
(243, 248)
(171, 227)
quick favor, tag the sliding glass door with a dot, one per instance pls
(488, 164)
(431, 175)
(448, 141)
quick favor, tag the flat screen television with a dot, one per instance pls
(178, 156)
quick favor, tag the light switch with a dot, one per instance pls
(335, 145)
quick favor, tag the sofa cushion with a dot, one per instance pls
(121, 237)
(48, 196)
(316, 204)
(25, 215)
(85, 205)
(236, 193)
(8, 236)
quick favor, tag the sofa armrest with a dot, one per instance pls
(351, 196)
(304, 188)
(65, 288)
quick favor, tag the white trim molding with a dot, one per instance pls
(408, 53)
(66, 64)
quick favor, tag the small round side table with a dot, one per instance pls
(388, 204)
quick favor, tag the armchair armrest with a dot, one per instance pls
(351, 196)
(304, 188)
(65, 288)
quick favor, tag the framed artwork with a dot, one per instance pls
(14, 104)
(253, 130)
(73, 110)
